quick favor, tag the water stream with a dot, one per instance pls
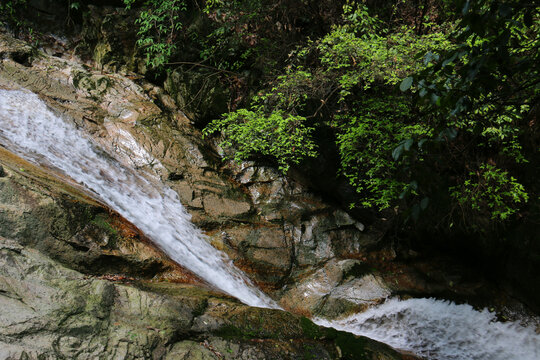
(442, 330)
(30, 129)
(433, 329)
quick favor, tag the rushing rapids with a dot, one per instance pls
(30, 129)
(441, 330)
(433, 329)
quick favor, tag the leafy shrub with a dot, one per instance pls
(159, 24)
(282, 136)
(366, 140)
(491, 191)
(329, 82)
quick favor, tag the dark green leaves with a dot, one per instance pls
(398, 151)
(406, 84)
(404, 145)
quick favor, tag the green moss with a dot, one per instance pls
(351, 346)
(310, 329)
(66, 217)
(102, 222)
(308, 352)
(233, 332)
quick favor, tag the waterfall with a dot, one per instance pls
(436, 330)
(441, 330)
(30, 129)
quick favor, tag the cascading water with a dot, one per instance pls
(441, 330)
(30, 129)
(433, 329)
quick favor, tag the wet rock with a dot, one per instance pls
(41, 212)
(277, 228)
(44, 303)
(327, 235)
(51, 232)
(263, 252)
(337, 289)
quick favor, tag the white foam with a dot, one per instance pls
(441, 330)
(30, 129)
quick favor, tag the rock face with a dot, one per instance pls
(339, 288)
(56, 313)
(77, 282)
(272, 227)
(63, 223)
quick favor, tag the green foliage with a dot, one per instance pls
(483, 92)
(353, 62)
(21, 17)
(159, 24)
(362, 56)
(232, 42)
(282, 136)
(366, 142)
(412, 97)
(490, 191)
(10, 12)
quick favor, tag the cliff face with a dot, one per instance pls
(271, 226)
(284, 236)
(79, 282)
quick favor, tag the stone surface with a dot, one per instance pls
(276, 227)
(335, 290)
(42, 212)
(108, 38)
(112, 301)
(272, 227)
(198, 92)
(59, 299)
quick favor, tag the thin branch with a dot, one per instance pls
(323, 102)
(202, 65)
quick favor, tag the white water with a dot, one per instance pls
(441, 330)
(30, 129)
(433, 329)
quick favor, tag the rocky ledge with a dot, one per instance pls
(271, 226)
(79, 282)
(310, 255)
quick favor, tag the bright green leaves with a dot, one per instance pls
(348, 87)
(159, 24)
(480, 95)
(367, 146)
(411, 112)
(364, 61)
(492, 192)
(283, 137)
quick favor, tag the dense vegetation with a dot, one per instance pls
(429, 106)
